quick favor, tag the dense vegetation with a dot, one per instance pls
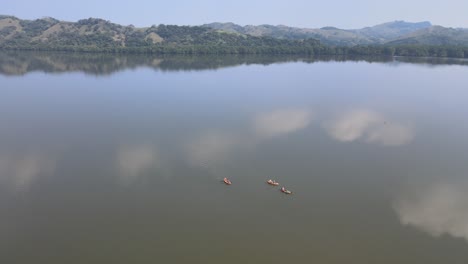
(97, 35)
(332, 36)
(414, 50)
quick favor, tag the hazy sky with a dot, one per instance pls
(302, 13)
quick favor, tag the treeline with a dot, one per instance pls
(175, 49)
(299, 48)
(251, 45)
(445, 51)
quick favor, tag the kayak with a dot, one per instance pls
(226, 181)
(283, 190)
(272, 182)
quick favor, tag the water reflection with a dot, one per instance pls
(20, 63)
(433, 61)
(212, 147)
(21, 171)
(135, 160)
(99, 153)
(281, 122)
(215, 146)
(23, 62)
(370, 127)
(437, 209)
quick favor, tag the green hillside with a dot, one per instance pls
(378, 34)
(327, 35)
(435, 35)
(98, 35)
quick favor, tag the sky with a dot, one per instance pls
(346, 14)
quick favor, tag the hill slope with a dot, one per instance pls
(97, 35)
(327, 35)
(92, 33)
(378, 34)
(435, 35)
(388, 31)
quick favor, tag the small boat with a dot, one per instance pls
(273, 182)
(283, 190)
(226, 181)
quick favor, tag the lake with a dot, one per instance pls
(120, 159)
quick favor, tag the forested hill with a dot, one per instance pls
(435, 35)
(378, 34)
(98, 35)
(391, 33)
(101, 35)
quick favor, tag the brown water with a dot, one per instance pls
(107, 159)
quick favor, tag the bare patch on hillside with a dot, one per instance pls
(155, 38)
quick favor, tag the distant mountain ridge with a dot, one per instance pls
(435, 35)
(98, 35)
(379, 34)
(95, 34)
(391, 30)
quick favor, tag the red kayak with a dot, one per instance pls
(283, 190)
(226, 181)
(273, 182)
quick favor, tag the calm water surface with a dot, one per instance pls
(121, 159)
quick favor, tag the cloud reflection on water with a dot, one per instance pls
(281, 122)
(22, 170)
(436, 209)
(134, 160)
(211, 147)
(370, 127)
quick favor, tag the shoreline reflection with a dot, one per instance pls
(17, 63)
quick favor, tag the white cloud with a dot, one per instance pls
(436, 209)
(281, 122)
(370, 127)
